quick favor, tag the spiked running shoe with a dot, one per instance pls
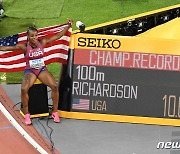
(56, 117)
(27, 119)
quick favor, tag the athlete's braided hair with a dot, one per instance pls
(33, 28)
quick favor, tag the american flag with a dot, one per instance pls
(57, 51)
(80, 104)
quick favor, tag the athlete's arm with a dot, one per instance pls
(13, 48)
(58, 35)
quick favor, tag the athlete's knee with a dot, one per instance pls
(24, 89)
(54, 87)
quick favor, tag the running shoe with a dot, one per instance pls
(27, 119)
(56, 117)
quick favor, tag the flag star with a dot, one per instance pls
(7, 43)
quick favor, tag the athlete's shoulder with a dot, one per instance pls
(42, 42)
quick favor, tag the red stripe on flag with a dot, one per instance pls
(13, 62)
(56, 51)
(58, 42)
(12, 70)
(11, 54)
(59, 60)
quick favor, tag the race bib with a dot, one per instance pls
(36, 63)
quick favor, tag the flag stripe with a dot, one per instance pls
(12, 69)
(52, 60)
(8, 54)
(59, 55)
(13, 66)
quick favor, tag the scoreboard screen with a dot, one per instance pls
(109, 77)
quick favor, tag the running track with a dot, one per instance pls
(11, 141)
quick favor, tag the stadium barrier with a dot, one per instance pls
(134, 25)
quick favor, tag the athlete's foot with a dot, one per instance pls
(27, 119)
(56, 117)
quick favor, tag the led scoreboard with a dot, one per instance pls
(126, 76)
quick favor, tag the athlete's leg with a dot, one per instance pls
(27, 82)
(47, 78)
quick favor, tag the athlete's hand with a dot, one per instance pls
(69, 23)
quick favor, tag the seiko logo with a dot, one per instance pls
(99, 43)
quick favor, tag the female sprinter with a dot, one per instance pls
(35, 68)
